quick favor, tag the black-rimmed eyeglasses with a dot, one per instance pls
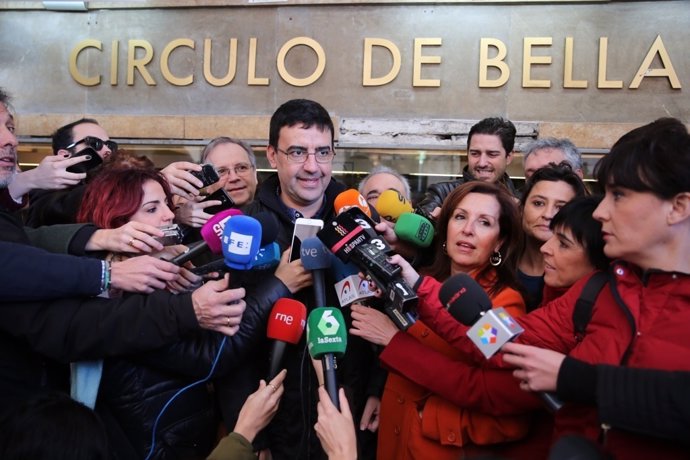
(95, 143)
(298, 155)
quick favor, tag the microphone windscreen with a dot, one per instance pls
(351, 198)
(414, 229)
(267, 257)
(326, 332)
(269, 227)
(287, 321)
(241, 240)
(464, 298)
(212, 230)
(391, 204)
(314, 254)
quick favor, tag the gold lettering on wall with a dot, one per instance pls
(320, 61)
(114, 54)
(232, 63)
(602, 82)
(528, 60)
(419, 59)
(165, 66)
(497, 62)
(367, 78)
(74, 56)
(141, 63)
(666, 71)
(252, 79)
(568, 81)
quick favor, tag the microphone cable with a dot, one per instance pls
(179, 392)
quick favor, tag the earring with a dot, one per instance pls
(496, 259)
(445, 250)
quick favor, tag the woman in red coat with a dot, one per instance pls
(480, 228)
(642, 317)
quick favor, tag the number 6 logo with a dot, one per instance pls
(328, 325)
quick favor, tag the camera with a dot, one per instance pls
(171, 235)
(207, 175)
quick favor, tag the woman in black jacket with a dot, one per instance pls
(158, 405)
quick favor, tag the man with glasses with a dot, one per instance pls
(300, 148)
(49, 207)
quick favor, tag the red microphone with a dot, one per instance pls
(285, 325)
(351, 198)
(211, 233)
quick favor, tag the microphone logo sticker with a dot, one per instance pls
(345, 291)
(507, 320)
(328, 325)
(487, 334)
(239, 243)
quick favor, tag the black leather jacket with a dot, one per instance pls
(436, 193)
(133, 391)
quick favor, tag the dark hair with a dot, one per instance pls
(561, 172)
(63, 136)
(576, 216)
(652, 158)
(114, 195)
(52, 426)
(510, 231)
(299, 111)
(504, 129)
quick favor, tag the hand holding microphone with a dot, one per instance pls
(211, 233)
(285, 325)
(490, 329)
(327, 340)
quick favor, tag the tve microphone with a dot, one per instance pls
(241, 240)
(490, 328)
(351, 198)
(327, 340)
(414, 229)
(285, 325)
(349, 287)
(392, 204)
(316, 258)
(211, 233)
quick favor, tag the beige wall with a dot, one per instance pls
(38, 44)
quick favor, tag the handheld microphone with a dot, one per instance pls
(349, 287)
(392, 204)
(349, 237)
(316, 258)
(327, 340)
(351, 198)
(285, 325)
(211, 233)
(490, 329)
(269, 254)
(414, 229)
(241, 239)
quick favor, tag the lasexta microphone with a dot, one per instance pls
(327, 340)
(316, 258)
(392, 204)
(351, 198)
(414, 229)
(490, 329)
(241, 240)
(285, 325)
(211, 233)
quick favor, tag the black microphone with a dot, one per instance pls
(316, 258)
(490, 328)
